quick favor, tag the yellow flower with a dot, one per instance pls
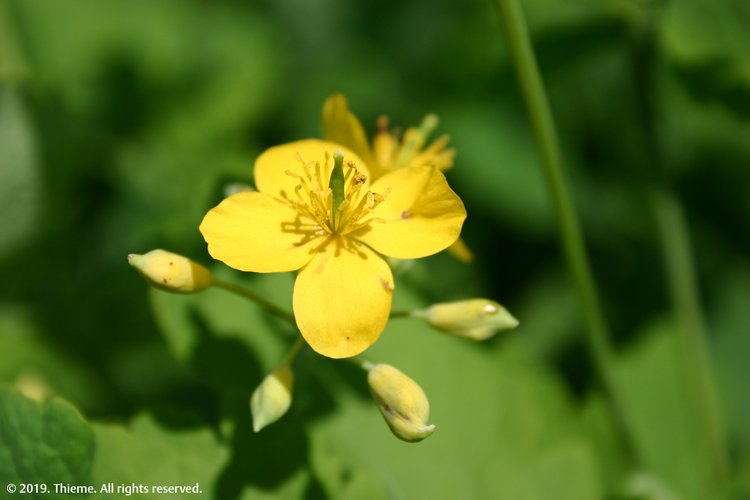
(296, 221)
(387, 152)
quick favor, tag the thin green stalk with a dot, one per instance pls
(299, 343)
(678, 259)
(360, 362)
(401, 314)
(535, 98)
(691, 329)
(249, 294)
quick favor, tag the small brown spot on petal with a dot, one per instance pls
(405, 215)
(387, 285)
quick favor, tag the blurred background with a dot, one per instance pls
(121, 122)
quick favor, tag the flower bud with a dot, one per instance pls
(273, 397)
(476, 319)
(171, 272)
(232, 188)
(402, 402)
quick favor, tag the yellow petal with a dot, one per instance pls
(435, 155)
(342, 298)
(461, 251)
(421, 214)
(342, 127)
(384, 146)
(252, 231)
(274, 166)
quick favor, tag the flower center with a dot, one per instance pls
(333, 209)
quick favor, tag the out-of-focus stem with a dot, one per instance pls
(249, 294)
(299, 343)
(691, 331)
(675, 245)
(546, 139)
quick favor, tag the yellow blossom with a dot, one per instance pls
(387, 152)
(342, 294)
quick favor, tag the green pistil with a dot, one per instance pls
(425, 129)
(336, 183)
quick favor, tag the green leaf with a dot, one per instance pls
(660, 414)
(292, 489)
(19, 179)
(730, 346)
(145, 453)
(505, 426)
(195, 324)
(498, 167)
(701, 32)
(29, 361)
(43, 443)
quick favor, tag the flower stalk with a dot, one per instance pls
(545, 135)
(273, 397)
(674, 239)
(257, 298)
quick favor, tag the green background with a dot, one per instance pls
(121, 121)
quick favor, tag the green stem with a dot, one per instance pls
(691, 329)
(401, 314)
(545, 135)
(678, 259)
(360, 362)
(249, 294)
(299, 343)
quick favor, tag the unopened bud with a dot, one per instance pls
(171, 272)
(402, 403)
(232, 188)
(273, 397)
(476, 319)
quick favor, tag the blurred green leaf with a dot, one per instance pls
(230, 69)
(19, 178)
(145, 453)
(604, 435)
(191, 324)
(658, 409)
(294, 488)
(551, 15)
(497, 167)
(731, 345)
(43, 443)
(550, 317)
(12, 64)
(505, 427)
(705, 31)
(29, 360)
